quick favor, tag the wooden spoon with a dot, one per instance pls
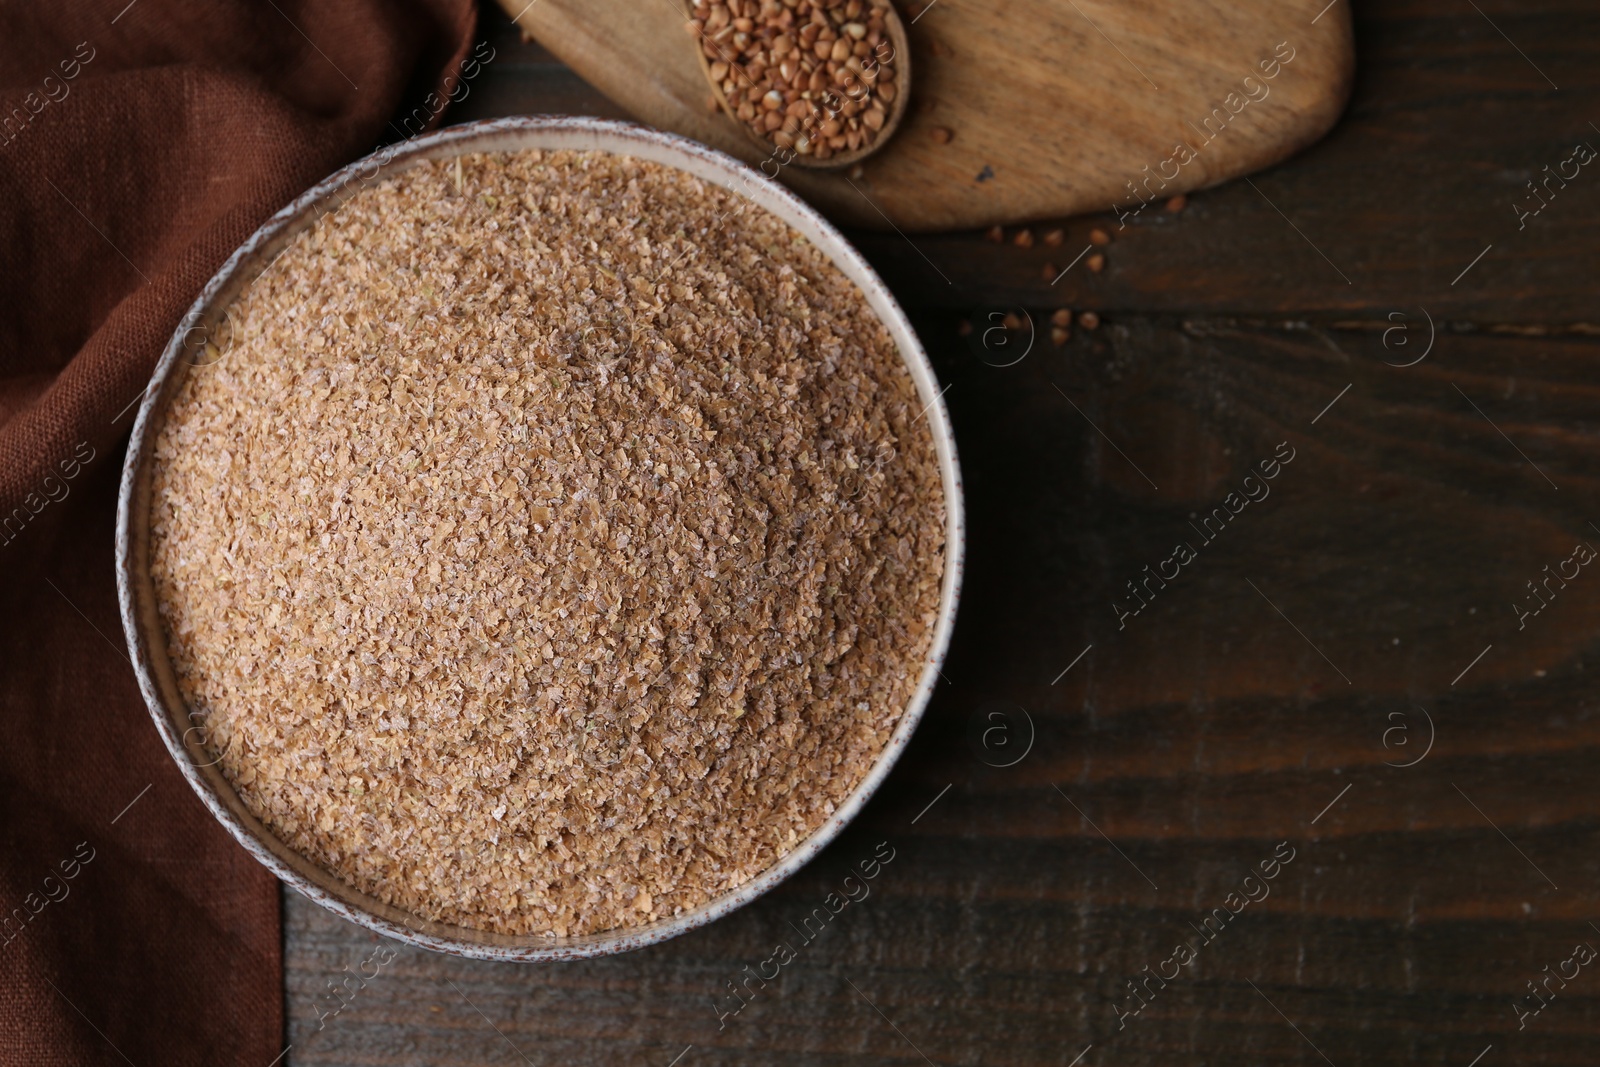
(738, 38)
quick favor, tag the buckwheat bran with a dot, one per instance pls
(556, 545)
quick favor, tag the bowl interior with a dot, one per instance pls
(187, 351)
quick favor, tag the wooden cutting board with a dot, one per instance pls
(1054, 107)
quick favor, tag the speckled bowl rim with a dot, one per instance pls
(146, 641)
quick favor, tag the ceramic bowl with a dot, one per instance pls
(146, 640)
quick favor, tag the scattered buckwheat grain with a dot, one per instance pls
(556, 546)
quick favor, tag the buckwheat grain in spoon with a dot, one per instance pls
(821, 83)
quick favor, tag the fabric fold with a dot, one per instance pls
(140, 144)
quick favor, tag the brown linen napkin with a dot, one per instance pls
(140, 144)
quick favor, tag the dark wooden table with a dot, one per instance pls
(1339, 673)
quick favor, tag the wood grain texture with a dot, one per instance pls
(1055, 107)
(1219, 721)
(1197, 738)
(1448, 124)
